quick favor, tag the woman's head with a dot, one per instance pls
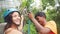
(41, 17)
(12, 16)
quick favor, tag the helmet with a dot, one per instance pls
(8, 11)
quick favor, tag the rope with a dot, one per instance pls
(29, 26)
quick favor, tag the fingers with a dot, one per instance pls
(22, 17)
(29, 13)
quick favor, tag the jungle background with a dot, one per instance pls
(50, 7)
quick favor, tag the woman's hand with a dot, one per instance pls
(21, 25)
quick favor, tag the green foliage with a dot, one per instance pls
(47, 3)
(26, 4)
(1, 15)
(51, 14)
(32, 28)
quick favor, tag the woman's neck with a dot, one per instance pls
(14, 26)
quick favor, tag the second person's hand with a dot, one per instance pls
(30, 15)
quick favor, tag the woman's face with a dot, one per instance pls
(40, 20)
(16, 18)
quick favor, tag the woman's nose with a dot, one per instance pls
(18, 17)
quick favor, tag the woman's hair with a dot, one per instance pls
(41, 14)
(9, 21)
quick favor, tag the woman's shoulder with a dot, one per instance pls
(8, 30)
(12, 31)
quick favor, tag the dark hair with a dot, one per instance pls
(8, 19)
(41, 14)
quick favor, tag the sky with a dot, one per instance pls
(9, 3)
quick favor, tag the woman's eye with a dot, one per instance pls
(18, 15)
(37, 18)
(14, 16)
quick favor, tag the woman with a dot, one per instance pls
(42, 26)
(14, 22)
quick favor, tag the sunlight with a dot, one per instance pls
(36, 3)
